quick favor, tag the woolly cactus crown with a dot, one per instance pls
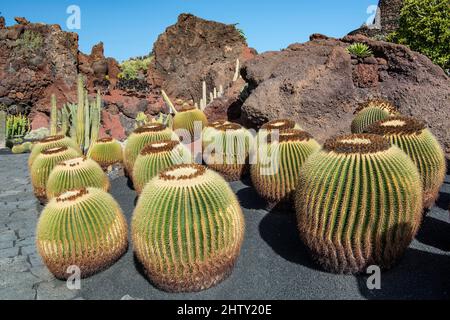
(378, 103)
(280, 124)
(106, 152)
(51, 142)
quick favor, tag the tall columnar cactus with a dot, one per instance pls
(156, 157)
(84, 228)
(187, 118)
(358, 203)
(187, 229)
(420, 144)
(80, 125)
(278, 165)
(75, 174)
(106, 152)
(226, 149)
(2, 129)
(140, 138)
(53, 116)
(43, 166)
(371, 112)
(51, 142)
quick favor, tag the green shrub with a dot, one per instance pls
(30, 41)
(360, 50)
(425, 27)
(132, 67)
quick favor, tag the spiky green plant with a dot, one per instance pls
(80, 121)
(360, 50)
(51, 142)
(156, 157)
(210, 131)
(280, 124)
(421, 145)
(76, 174)
(187, 229)
(358, 203)
(53, 116)
(84, 228)
(227, 150)
(187, 118)
(22, 148)
(275, 174)
(43, 166)
(140, 138)
(17, 125)
(371, 112)
(106, 152)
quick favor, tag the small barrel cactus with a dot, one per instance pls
(142, 136)
(187, 118)
(156, 157)
(278, 164)
(420, 144)
(187, 228)
(106, 152)
(51, 142)
(84, 228)
(358, 203)
(371, 112)
(75, 174)
(227, 148)
(43, 166)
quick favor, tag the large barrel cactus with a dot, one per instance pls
(51, 142)
(187, 118)
(75, 174)
(210, 131)
(358, 203)
(84, 228)
(187, 229)
(156, 157)
(280, 124)
(44, 164)
(278, 164)
(371, 112)
(106, 152)
(419, 143)
(227, 148)
(140, 138)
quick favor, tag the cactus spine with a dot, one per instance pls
(358, 203)
(106, 152)
(83, 227)
(226, 149)
(421, 145)
(188, 118)
(51, 142)
(275, 174)
(80, 112)
(44, 164)
(76, 174)
(156, 157)
(371, 112)
(140, 138)
(187, 229)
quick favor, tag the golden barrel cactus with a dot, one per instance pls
(156, 157)
(278, 164)
(106, 152)
(420, 144)
(52, 142)
(371, 112)
(84, 228)
(358, 203)
(187, 118)
(187, 229)
(43, 166)
(140, 138)
(226, 150)
(76, 174)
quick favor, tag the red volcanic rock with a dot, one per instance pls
(195, 50)
(112, 126)
(40, 120)
(319, 85)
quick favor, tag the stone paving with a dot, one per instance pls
(22, 273)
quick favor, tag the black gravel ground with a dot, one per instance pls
(274, 264)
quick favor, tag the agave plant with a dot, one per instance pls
(360, 50)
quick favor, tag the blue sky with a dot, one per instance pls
(129, 28)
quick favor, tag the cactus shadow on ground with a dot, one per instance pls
(280, 232)
(435, 233)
